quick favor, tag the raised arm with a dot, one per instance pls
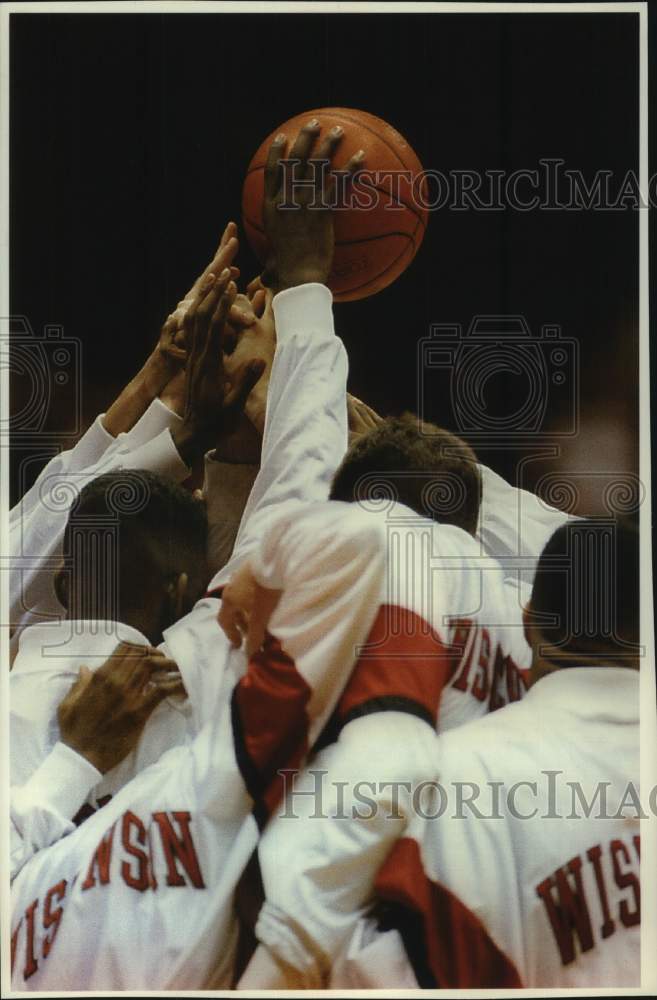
(321, 853)
(305, 433)
(37, 523)
(319, 574)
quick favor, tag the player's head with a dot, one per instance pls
(429, 469)
(584, 608)
(135, 545)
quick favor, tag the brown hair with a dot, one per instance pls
(425, 467)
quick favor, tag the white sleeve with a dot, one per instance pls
(305, 435)
(514, 525)
(155, 419)
(321, 854)
(42, 809)
(329, 562)
(37, 527)
(91, 446)
(94, 444)
(87, 451)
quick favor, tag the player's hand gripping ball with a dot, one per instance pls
(381, 212)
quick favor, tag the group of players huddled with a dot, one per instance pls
(341, 716)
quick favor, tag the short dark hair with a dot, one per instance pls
(158, 526)
(425, 467)
(585, 597)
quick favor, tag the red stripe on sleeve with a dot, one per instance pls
(271, 702)
(403, 658)
(458, 949)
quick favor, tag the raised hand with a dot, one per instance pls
(104, 713)
(361, 418)
(213, 400)
(243, 313)
(162, 374)
(256, 341)
(298, 219)
(170, 354)
(223, 257)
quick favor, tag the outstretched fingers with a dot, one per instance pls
(222, 308)
(273, 171)
(303, 144)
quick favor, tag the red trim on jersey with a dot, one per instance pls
(458, 949)
(403, 658)
(270, 721)
(403, 666)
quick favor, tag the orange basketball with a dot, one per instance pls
(380, 232)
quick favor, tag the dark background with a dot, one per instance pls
(130, 136)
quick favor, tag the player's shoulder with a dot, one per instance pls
(44, 648)
(340, 522)
(492, 740)
(446, 539)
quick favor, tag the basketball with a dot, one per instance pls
(378, 235)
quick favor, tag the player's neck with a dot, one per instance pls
(543, 665)
(107, 611)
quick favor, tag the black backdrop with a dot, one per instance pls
(130, 135)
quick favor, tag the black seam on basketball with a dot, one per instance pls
(253, 225)
(372, 187)
(361, 239)
(402, 204)
(346, 243)
(252, 170)
(357, 121)
(370, 239)
(381, 236)
(356, 288)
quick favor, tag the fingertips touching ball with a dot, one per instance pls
(381, 216)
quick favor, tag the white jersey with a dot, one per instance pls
(513, 527)
(38, 521)
(503, 858)
(152, 874)
(533, 881)
(53, 788)
(305, 436)
(306, 429)
(447, 646)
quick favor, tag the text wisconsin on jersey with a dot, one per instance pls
(40, 921)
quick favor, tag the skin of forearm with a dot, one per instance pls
(137, 396)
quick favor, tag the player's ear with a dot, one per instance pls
(61, 586)
(177, 591)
